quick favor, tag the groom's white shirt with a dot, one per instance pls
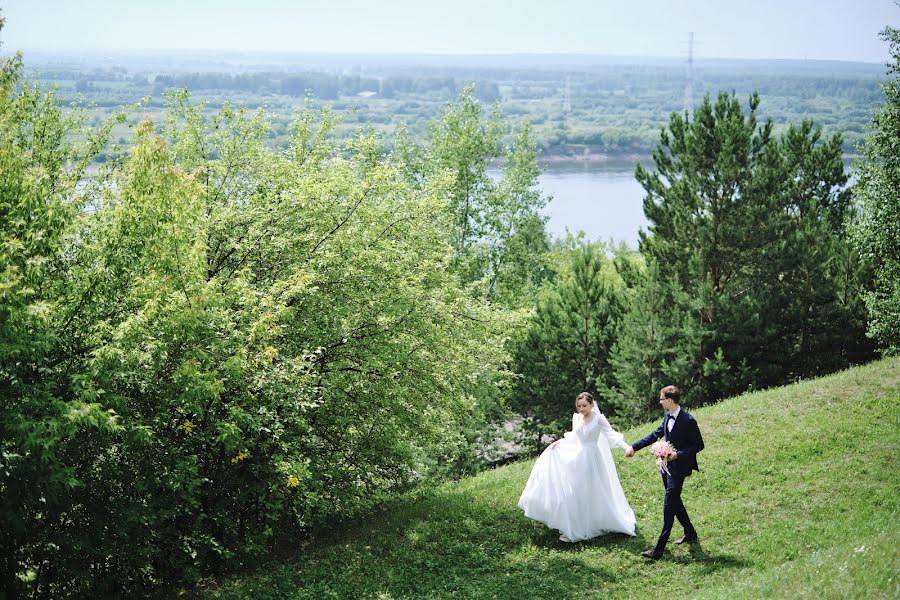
(671, 422)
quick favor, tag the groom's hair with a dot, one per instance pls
(672, 393)
(586, 395)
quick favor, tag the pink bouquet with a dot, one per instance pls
(661, 450)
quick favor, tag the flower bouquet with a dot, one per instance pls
(661, 450)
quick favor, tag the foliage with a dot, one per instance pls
(498, 233)
(878, 192)
(647, 354)
(750, 227)
(613, 109)
(43, 408)
(243, 329)
(820, 325)
(211, 343)
(566, 346)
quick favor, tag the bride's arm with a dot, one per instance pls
(615, 439)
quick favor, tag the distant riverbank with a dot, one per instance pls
(613, 161)
(622, 162)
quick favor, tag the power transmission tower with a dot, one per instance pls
(689, 86)
(567, 98)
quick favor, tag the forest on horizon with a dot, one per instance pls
(579, 106)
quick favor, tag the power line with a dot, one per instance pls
(689, 86)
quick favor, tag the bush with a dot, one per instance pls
(212, 344)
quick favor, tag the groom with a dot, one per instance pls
(681, 430)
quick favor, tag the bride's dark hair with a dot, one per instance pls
(586, 395)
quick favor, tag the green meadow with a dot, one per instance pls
(797, 498)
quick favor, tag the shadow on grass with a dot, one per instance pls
(546, 538)
(448, 544)
(470, 542)
(709, 563)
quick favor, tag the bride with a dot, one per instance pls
(573, 486)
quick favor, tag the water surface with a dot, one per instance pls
(601, 199)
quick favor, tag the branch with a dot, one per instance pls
(340, 224)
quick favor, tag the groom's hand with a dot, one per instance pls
(629, 451)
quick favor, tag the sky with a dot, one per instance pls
(747, 29)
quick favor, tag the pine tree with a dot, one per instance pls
(709, 203)
(819, 330)
(653, 347)
(566, 347)
(751, 228)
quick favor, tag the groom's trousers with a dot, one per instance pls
(673, 508)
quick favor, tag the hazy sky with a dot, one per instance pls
(813, 29)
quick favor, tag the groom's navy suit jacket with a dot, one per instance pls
(686, 438)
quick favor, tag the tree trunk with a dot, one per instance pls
(9, 584)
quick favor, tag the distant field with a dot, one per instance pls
(589, 107)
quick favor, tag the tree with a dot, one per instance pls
(877, 235)
(498, 233)
(653, 341)
(811, 279)
(751, 228)
(211, 344)
(514, 251)
(566, 346)
(41, 420)
(709, 203)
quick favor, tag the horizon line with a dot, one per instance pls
(473, 54)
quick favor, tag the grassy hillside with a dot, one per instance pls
(798, 497)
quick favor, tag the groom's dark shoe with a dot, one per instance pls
(687, 539)
(652, 554)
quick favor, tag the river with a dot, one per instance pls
(601, 199)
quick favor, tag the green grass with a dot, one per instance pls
(797, 498)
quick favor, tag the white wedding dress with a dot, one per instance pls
(574, 486)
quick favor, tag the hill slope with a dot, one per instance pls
(797, 498)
